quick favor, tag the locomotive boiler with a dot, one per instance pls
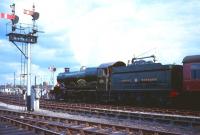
(83, 79)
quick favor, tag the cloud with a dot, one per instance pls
(7, 76)
(7, 72)
(108, 34)
(103, 35)
(91, 32)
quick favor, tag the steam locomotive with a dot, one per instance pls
(139, 82)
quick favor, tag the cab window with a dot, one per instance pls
(195, 71)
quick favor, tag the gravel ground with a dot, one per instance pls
(103, 119)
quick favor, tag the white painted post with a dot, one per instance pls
(35, 95)
(29, 107)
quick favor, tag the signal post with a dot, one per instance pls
(28, 37)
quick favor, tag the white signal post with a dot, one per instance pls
(30, 103)
(31, 93)
(29, 72)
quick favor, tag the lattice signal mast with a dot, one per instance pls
(24, 35)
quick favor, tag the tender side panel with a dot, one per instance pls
(147, 78)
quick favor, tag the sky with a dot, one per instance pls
(91, 32)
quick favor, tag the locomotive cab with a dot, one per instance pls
(104, 72)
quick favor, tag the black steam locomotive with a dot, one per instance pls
(139, 82)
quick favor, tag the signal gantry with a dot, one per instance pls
(25, 35)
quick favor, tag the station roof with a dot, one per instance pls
(112, 64)
(192, 58)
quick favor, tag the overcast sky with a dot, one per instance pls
(90, 32)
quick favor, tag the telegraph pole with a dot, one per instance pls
(14, 80)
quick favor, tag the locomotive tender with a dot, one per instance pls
(140, 81)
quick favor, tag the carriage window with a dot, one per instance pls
(195, 71)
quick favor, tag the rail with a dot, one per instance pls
(29, 127)
(71, 126)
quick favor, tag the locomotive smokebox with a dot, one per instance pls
(66, 70)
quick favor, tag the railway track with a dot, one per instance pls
(114, 112)
(57, 125)
(18, 99)
(192, 121)
(123, 108)
(111, 112)
(118, 112)
(8, 129)
(28, 129)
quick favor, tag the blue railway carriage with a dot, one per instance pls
(147, 79)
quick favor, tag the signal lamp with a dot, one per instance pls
(35, 15)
